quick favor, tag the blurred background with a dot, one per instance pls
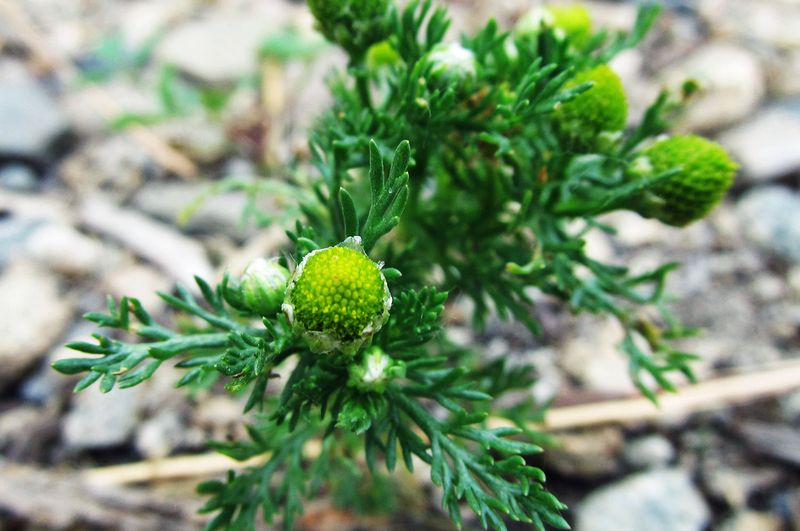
(145, 141)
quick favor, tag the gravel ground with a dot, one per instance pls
(87, 210)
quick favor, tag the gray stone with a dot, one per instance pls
(771, 23)
(65, 250)
(31, 121)
(220, 47)
(770, 218)
(790, 407)
(33, 316)
(98, 420)
(18, 178)
(218, 213)
(735, 484)
(649, 451)
(766, 145)
(143, 20)
(47, 384)
(159, 435)
(14, 232)
(591, 356)
(114, 162)
(590, 454)
(174, 253)
(774, 440)
(732, 81)
(657, 500)
(201, 139)
(783, 78)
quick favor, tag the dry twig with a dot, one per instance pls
(709, 395)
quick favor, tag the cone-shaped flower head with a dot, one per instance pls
(263, 286)
(601, 108)
(706, 173)
(338, 298)
(353, 24)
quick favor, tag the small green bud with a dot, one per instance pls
(263, 286)
(353, 24)
(453, 62)
(382, 54)
(338, 298)
(570, 21)
(706, 173)
(601, 108)
(376, 368)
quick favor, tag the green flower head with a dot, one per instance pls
(705, 174)
(338, 298)
(603, 107)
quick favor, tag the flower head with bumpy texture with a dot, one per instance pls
(705, 174)
(603, 107)
(338, 298)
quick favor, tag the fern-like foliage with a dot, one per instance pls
(457, 175)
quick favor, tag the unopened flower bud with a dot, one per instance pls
(263, 286)
(338, 298)
(705, 174)
(453, 62)
(374, 371)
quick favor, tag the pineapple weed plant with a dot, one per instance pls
(475, 168)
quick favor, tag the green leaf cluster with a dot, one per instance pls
(462, 182)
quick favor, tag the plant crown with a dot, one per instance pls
(475, 168)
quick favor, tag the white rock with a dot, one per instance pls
(773, 23)
(158, 436)
(174, 253)
(594, 359)
(767, 145)
(632, 230)
(219, 47)
(658, 500)
(142, 20)
(33, 315)
(64, 250)
(752, 521)
(649, 451)
(733, 84)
